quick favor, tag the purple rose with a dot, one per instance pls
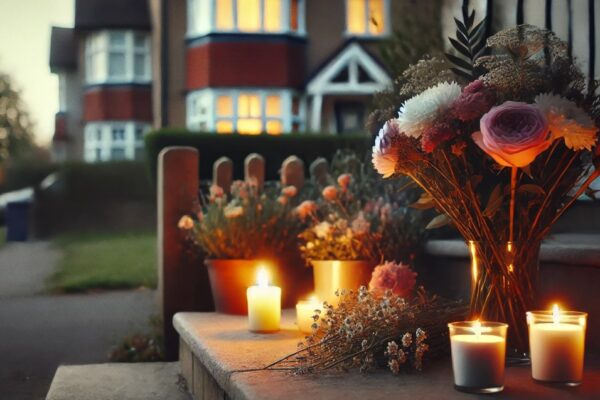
(513, 134)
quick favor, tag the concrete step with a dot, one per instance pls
(119, 381)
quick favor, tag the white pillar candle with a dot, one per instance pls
(264, 305)
(557, 344)
(478, 355)
(305, 310)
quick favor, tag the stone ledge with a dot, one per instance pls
(221, 346)
(116, 381)
(562, 248)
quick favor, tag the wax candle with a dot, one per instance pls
(478, 354)
(557, 345)
(305, 310)
(264, 305)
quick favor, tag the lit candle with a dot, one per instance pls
(305, 310)
(264, 305)
(478, 353)
(557, 344)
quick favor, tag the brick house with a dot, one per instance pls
(105, 81)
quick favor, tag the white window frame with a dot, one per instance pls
(207, 99)
(97, 55)
(62, 92)
(105, 143)
(199, 25)
(387, 20)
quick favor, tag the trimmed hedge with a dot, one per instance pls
(275, 149)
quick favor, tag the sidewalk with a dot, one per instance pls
(39, 332)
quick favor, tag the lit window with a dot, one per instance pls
(224, 14)
(224, 106)
(365, 17)
(272, 15)
(224, 127)
(274, 127)
(248, 113)
(273, 106)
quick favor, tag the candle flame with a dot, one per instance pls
(555, 314)
(477, 327)
(263, 277)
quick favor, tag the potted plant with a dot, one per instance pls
(242, 232)
(350, 228)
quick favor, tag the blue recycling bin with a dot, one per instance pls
(17, 221)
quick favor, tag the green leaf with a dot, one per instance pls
(494, 201)
(461, 26)
(462, 38)
(438, 222)
(459, 62)
(471, 19)
(460, 48)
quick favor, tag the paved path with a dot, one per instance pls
(39, 332)
(24, 267)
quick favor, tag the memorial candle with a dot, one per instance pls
(478, 353)
(557, 344)
(305, 310)
(264, 305)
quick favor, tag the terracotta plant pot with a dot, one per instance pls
(331, 275)
(229, 280)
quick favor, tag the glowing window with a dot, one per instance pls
(247, 126)
(274, 127)
(224, 14)
(273, 108)
(272, 15)
(224, 106)
(248, 105)
(224, 127)
(365, 17)
(248, 15)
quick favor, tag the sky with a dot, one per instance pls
(24, 52)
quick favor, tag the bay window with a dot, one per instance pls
(245, 16)
(247, 112)
(114, 140)
(367, 17)
(117, 57)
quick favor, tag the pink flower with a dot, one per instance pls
(289, 191)
(475, 100)
(216, 192)
(185, 223)
(513, 134)
(344, 181)
(436, 134)
(306, 208)
(282, 200)
(330, 193)
(360, 225)
(385, 154)
(399, 278)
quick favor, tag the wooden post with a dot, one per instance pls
(254, 170)
(319, 171)
(223, 173)
(292, 172)
(182, 280)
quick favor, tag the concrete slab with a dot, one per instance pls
(225, 347)
(143, 381)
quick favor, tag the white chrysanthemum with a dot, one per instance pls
(419, 111)
(566, 120)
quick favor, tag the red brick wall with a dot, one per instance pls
(239, 64)
(60, 127)
(118, 103)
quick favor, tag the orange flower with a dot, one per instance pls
(185, 223)
(330, 193)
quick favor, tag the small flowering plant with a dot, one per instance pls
(246, 224)
(502, 139)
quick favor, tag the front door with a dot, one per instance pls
(349, 117)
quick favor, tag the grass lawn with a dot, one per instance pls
(105, 261)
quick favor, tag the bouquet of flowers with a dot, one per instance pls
(247, 224)
(502, 139)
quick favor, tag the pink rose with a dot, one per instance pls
(344, 181)
(399, 278)
(513, 134)
(330, 193)
(475, 100)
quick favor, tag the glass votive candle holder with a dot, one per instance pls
(557, 345)
(478, 355)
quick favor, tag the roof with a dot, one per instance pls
(116, 14)
(63, 53)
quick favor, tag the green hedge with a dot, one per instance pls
(274, 149)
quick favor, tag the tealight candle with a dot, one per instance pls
(478, 355)
(305, 310)
(557, 344)
(264, 305)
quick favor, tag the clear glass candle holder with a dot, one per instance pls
(478, 355)
(557, 346)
